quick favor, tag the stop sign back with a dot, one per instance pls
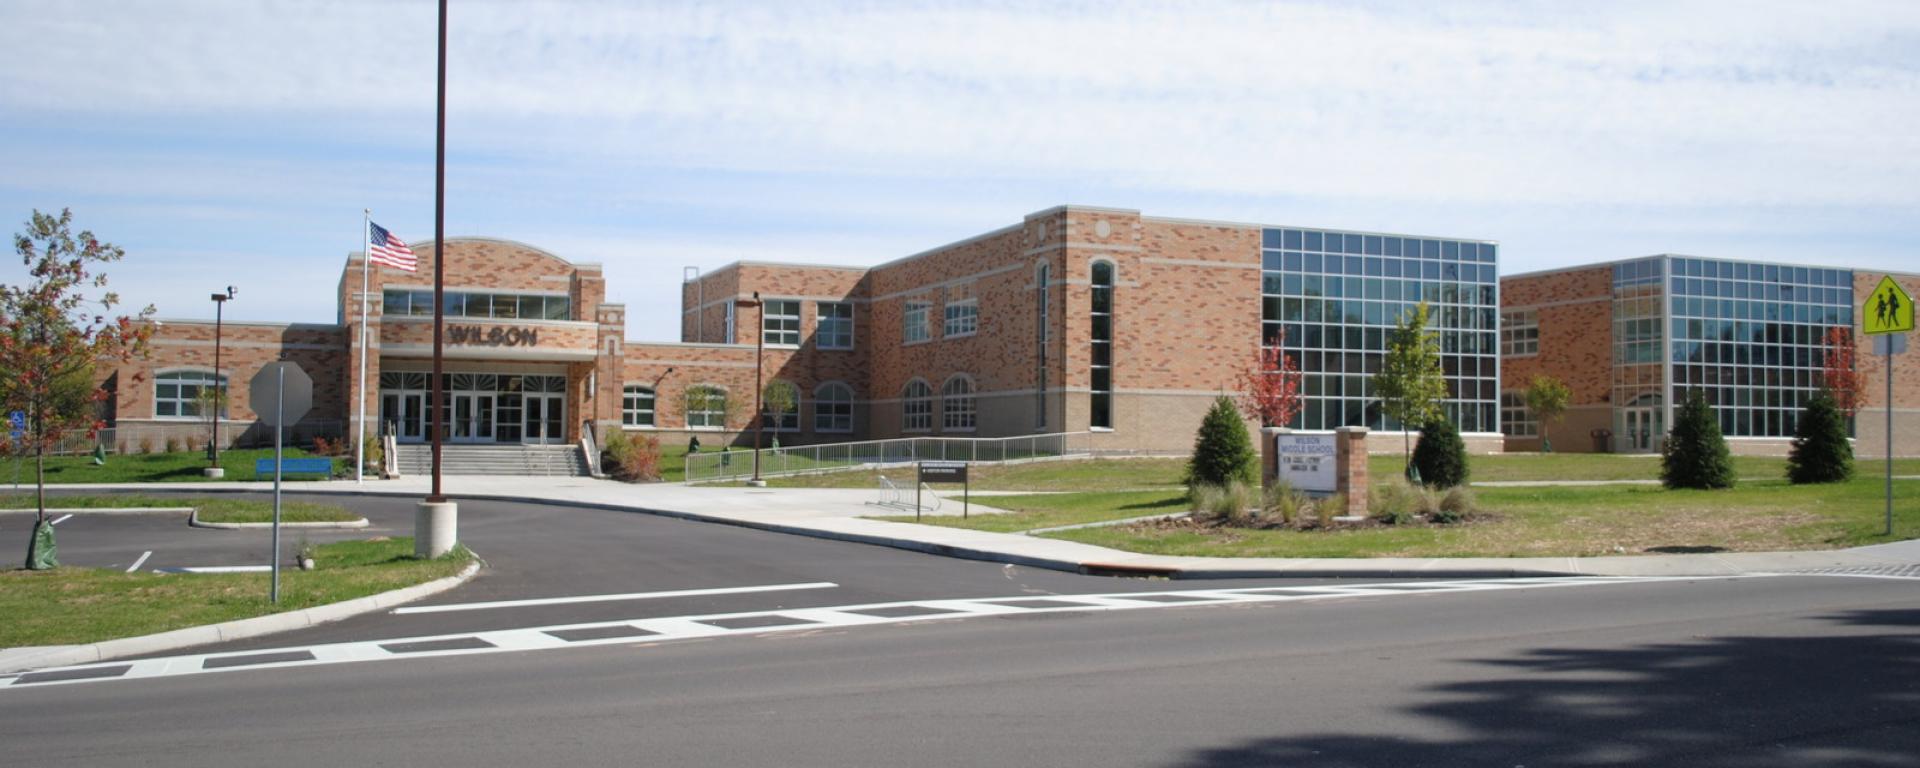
(271, 402)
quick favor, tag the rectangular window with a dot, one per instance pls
(915, 322)
(780, 322)
(727, 333)
(963, 318)
(1519, 333)
(833, 328)
(706, 407)
(636, 407)
(1515, 419)
(397, 301)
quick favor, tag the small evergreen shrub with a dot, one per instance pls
(1695, 455)
(1441, 456)
(1222, 450)
(1820, 452)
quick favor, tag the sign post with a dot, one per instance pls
(1887, 315)
(17, 429)
(279, 392)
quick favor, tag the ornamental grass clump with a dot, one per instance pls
(1457, 505)
(1229, 504)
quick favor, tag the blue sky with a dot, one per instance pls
(236, 142)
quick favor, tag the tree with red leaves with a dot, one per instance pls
(1270, 388)
(1838, 374)
(52, 333)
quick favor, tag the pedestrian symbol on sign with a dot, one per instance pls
(1888, 309)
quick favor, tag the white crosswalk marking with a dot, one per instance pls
(663, 629)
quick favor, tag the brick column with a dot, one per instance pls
(1351, 465)
(1270, 454)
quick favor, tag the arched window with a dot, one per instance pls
(957, 410)
(636, 406)
(185, 394)
(706, 407)
(916, 407)
(780, 406)
(1102, 342)
(833, 408)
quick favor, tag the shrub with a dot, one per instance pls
(1456, 506)
(372, 455)
(173, 444)
(615, 454)
(1280, 501)
(1695, 454)
(1328, 508)
(146, 444)
(1222, 451)
(1441, 456)
(1393, 503)
(643, 462)
(1820, 452)
(1226, 504)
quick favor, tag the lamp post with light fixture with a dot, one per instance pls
(219, 388)
(759, 366)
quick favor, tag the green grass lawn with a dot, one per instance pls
(1576, 521)
(212, 509)
(86, 605)
(177, 467)
(1026, 513)
(1606, 466)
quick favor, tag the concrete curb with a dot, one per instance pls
(67, 656)
(100, 510)
(195, 521)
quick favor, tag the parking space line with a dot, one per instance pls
(61, 519)
(142, 561)
(612, 598)
(217, 569)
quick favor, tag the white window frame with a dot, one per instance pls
(837, 421)
(828, 330)
(913, 322)
(1519, 333)
(707, 414)
(206, 377)
(782, 329)
(961, 318)
(916, 407)
(1516, 419)
(630, 411)
(959, 410)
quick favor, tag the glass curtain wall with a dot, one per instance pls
(1330, 298)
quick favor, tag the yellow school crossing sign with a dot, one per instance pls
(1888, 309)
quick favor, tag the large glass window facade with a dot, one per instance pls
(1330, 298)
(499, 306)
(1101, 413)
(1749, 337)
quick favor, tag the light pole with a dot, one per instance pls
(219, 387)
(759, 353)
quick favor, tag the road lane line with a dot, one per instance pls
(673, 628)
(61, 519)
(217, 569)
(137, 563)
(613, 598)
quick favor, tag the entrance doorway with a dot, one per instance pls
(546, 419)
(1643, 425)
(472, 417)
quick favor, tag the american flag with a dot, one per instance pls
(383, 248)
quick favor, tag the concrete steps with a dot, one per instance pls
(505, 460)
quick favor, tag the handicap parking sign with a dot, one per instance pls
(17, 422)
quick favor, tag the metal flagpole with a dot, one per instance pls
(366, 267)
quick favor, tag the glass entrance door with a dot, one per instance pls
(472, 417)
(1643, 429)
(404, 414)
(546, 420)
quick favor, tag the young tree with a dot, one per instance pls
(1270, 388)
(1695, 455)
(1547, 397)
(1410, 383)
(1839, 375)
(1820, 452)
(1441, 456)
(1222, 451)
(51, 335)
(779, 400)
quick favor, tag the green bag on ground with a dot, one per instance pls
(41, 553)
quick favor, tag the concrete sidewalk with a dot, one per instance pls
(840, 514)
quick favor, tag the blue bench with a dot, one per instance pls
(314, 466)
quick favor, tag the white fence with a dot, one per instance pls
(710, 466)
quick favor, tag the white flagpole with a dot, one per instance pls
(366, 267)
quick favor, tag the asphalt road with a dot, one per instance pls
(1770, 671)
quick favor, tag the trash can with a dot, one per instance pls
(1602, 440)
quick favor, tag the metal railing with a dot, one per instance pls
(711, 466)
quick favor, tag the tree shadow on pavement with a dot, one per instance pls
(1848, 699)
